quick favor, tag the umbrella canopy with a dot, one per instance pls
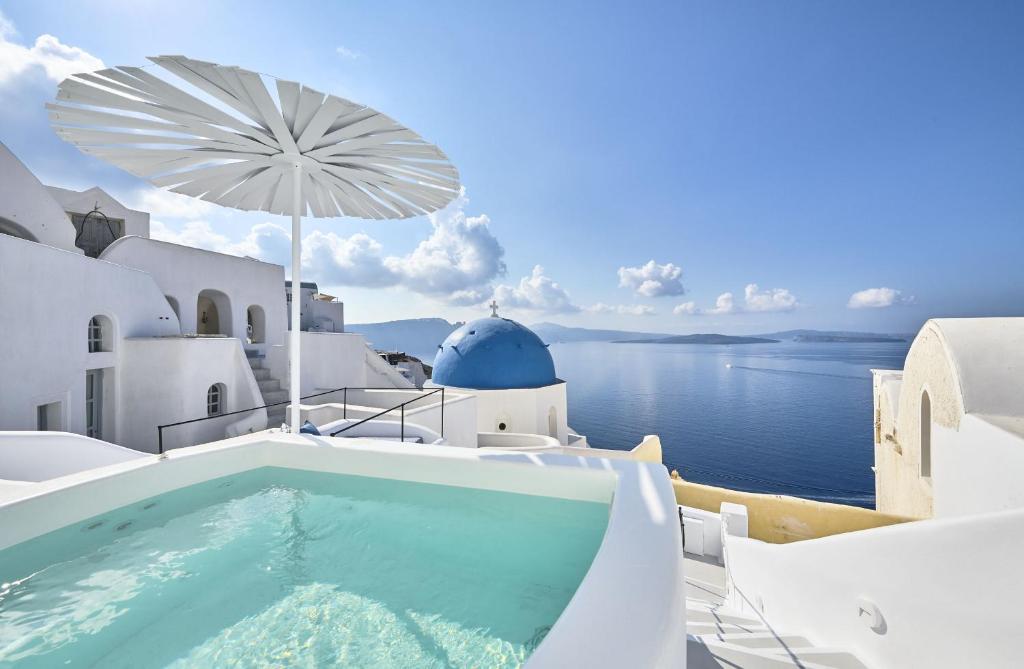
(228, 141)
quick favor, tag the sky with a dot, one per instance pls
(736, 167)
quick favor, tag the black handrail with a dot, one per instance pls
(345, 389)
(400, 406)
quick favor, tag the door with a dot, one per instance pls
(94, 403)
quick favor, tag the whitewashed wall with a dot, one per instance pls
(173, 376)
(39, 456)
(977, 468)
(26, 203)
(335, 360)
(183, 272)
(948, 591)
(521, 410)
(47, 297)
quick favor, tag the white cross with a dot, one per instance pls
(494, 309)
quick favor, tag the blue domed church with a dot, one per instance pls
(510, 371)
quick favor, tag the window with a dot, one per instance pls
(215, 400)
(48, 417)
(101, 334)
(926, 435)
(94, 403)
(95, 335)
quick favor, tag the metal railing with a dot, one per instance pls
(401, 407)
(344, 391)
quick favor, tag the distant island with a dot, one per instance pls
(847, 339)
(553, 333)
(421, 336)
(712, 339)
(836, 337)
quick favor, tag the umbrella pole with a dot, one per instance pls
(294, 361)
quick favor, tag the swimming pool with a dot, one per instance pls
(297, 551)
(279, 566)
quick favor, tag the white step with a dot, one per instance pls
(829, 657)
(763, 640)
(268, 385)
(272, 396)
(706, 616)
(260, 373)
(713, 655)
(698, 629)
(719, 637)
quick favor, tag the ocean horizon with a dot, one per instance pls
(788, 418)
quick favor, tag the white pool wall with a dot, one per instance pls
(629, 611)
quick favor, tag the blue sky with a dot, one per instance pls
(826, 154)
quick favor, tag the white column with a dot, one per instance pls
(294, 359)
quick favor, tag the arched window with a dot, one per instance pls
(101, 334)
(215, 399)
(926, 435)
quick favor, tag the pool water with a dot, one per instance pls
(286, 567)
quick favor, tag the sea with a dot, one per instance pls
(791, 418)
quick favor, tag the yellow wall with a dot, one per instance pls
(780, 519)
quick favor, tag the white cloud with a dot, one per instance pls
(536, 292)
(774, 299)
(652, 279)
(7, 28)
(460, 254)
(47, 55)
(195, 233)
(348, 261)
(165, 204)
(623, 309)
(686, 309)
(754, 299)
(457, 262)
(878, 298)
(723, 305)
(348, 53)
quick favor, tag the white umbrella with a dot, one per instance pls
(240, 148)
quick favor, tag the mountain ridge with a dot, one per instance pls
(422, 336)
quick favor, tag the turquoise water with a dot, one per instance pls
(278, 567)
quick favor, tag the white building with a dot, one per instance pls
(117, 333)
(318, 312)
(949, 426)
(509, 370)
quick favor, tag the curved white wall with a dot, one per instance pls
(183, 272)
(46, 317)
(27, 203)
(40, 456)
(948, 591)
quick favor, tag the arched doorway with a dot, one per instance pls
(553, 422)
(256, 325)
(213, 313)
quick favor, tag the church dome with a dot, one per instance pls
(491, 354)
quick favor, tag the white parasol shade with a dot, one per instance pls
(230, 142)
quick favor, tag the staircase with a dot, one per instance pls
(718, 637)
(270, 388)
